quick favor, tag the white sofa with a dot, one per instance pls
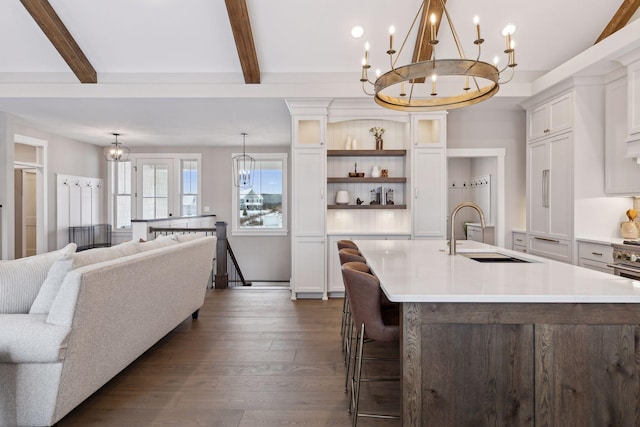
(96, 312)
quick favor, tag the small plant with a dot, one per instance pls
(377, 131)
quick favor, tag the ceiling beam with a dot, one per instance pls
(620, 19)
(422, 49)
(55, 30)
(241, 27)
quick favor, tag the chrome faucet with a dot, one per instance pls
(452, 237)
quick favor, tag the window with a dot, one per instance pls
(262, 209)
(189, 188)
(122, 194)
(155, 186)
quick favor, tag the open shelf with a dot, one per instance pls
(366, 206)
(372, 153)
(349, 180)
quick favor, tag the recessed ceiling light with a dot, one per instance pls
(357, 31)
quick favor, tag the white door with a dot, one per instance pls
(538, 182)
(429, 193)
(29, 213)
(309, 186)
(154, 192)
(561, 187)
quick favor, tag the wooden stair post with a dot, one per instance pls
(222, 276)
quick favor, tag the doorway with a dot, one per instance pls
(485, 174)
(30, 195)
(25, 194)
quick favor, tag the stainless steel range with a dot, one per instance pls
(626, 259)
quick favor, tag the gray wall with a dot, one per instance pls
(260, 257)
(495, 128)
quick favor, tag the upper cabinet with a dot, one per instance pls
(428, 130)
(550, 118)
(633, 100)
(622, 173)
(309, 131)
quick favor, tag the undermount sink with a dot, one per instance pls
(491, 257)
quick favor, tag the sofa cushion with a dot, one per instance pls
(186, 237)
(28, 338)
(51, 285)
(94, 256)
(21, 279)
(158, 242)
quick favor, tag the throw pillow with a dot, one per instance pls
(51, 285)
(187, 237)
(21, 279)
(158, 242)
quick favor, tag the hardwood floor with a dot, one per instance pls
(253, 358)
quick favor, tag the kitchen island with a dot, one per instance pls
(510, 343)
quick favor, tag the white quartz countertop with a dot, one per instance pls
(423, 271)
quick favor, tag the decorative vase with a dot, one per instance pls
(379, 143)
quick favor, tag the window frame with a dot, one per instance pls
(176, 196)
(235, 203)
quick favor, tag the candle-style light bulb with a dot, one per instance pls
(392, 30)
(512, 54)
(433, 85)
(495, 61)
(466, 83)
(402, 91)
(378, 72)
(476, 21)
(433, 39)
(507, 32)
(366, 53)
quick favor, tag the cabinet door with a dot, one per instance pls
(429, 193)
(560, 191)
(561, 113)
(538, 121)
(633, 106)
(537, 186)
(622, 174)
(309, 266)
(309, 131)
(309, 186)
(428, 130)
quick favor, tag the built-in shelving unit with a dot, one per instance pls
(367, 157)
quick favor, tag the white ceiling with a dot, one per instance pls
(169, 73)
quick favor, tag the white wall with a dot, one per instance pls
(478, 127)
(260, 257)
(65, 156)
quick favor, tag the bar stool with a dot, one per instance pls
(347, 255)
(342, 244)
(363, 291)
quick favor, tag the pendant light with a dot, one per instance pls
(116, 152)
(243, 167)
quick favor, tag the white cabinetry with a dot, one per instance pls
(565, 170)
(595, 256)
(550, 117)
(429, 176)
(633, 100)
(308, 190)
(622, 173)
(550, 187)
(476, 233)
(519, 241)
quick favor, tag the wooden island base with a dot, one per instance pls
(517, 364)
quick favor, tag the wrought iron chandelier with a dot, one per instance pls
(243, 167)
(116, 152)
(477, 80)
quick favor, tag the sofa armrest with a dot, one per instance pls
(28, 338)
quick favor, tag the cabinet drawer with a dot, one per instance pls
(520, 248)
(595, 265)
(595, 252)
(550, 248)
(518, 239)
